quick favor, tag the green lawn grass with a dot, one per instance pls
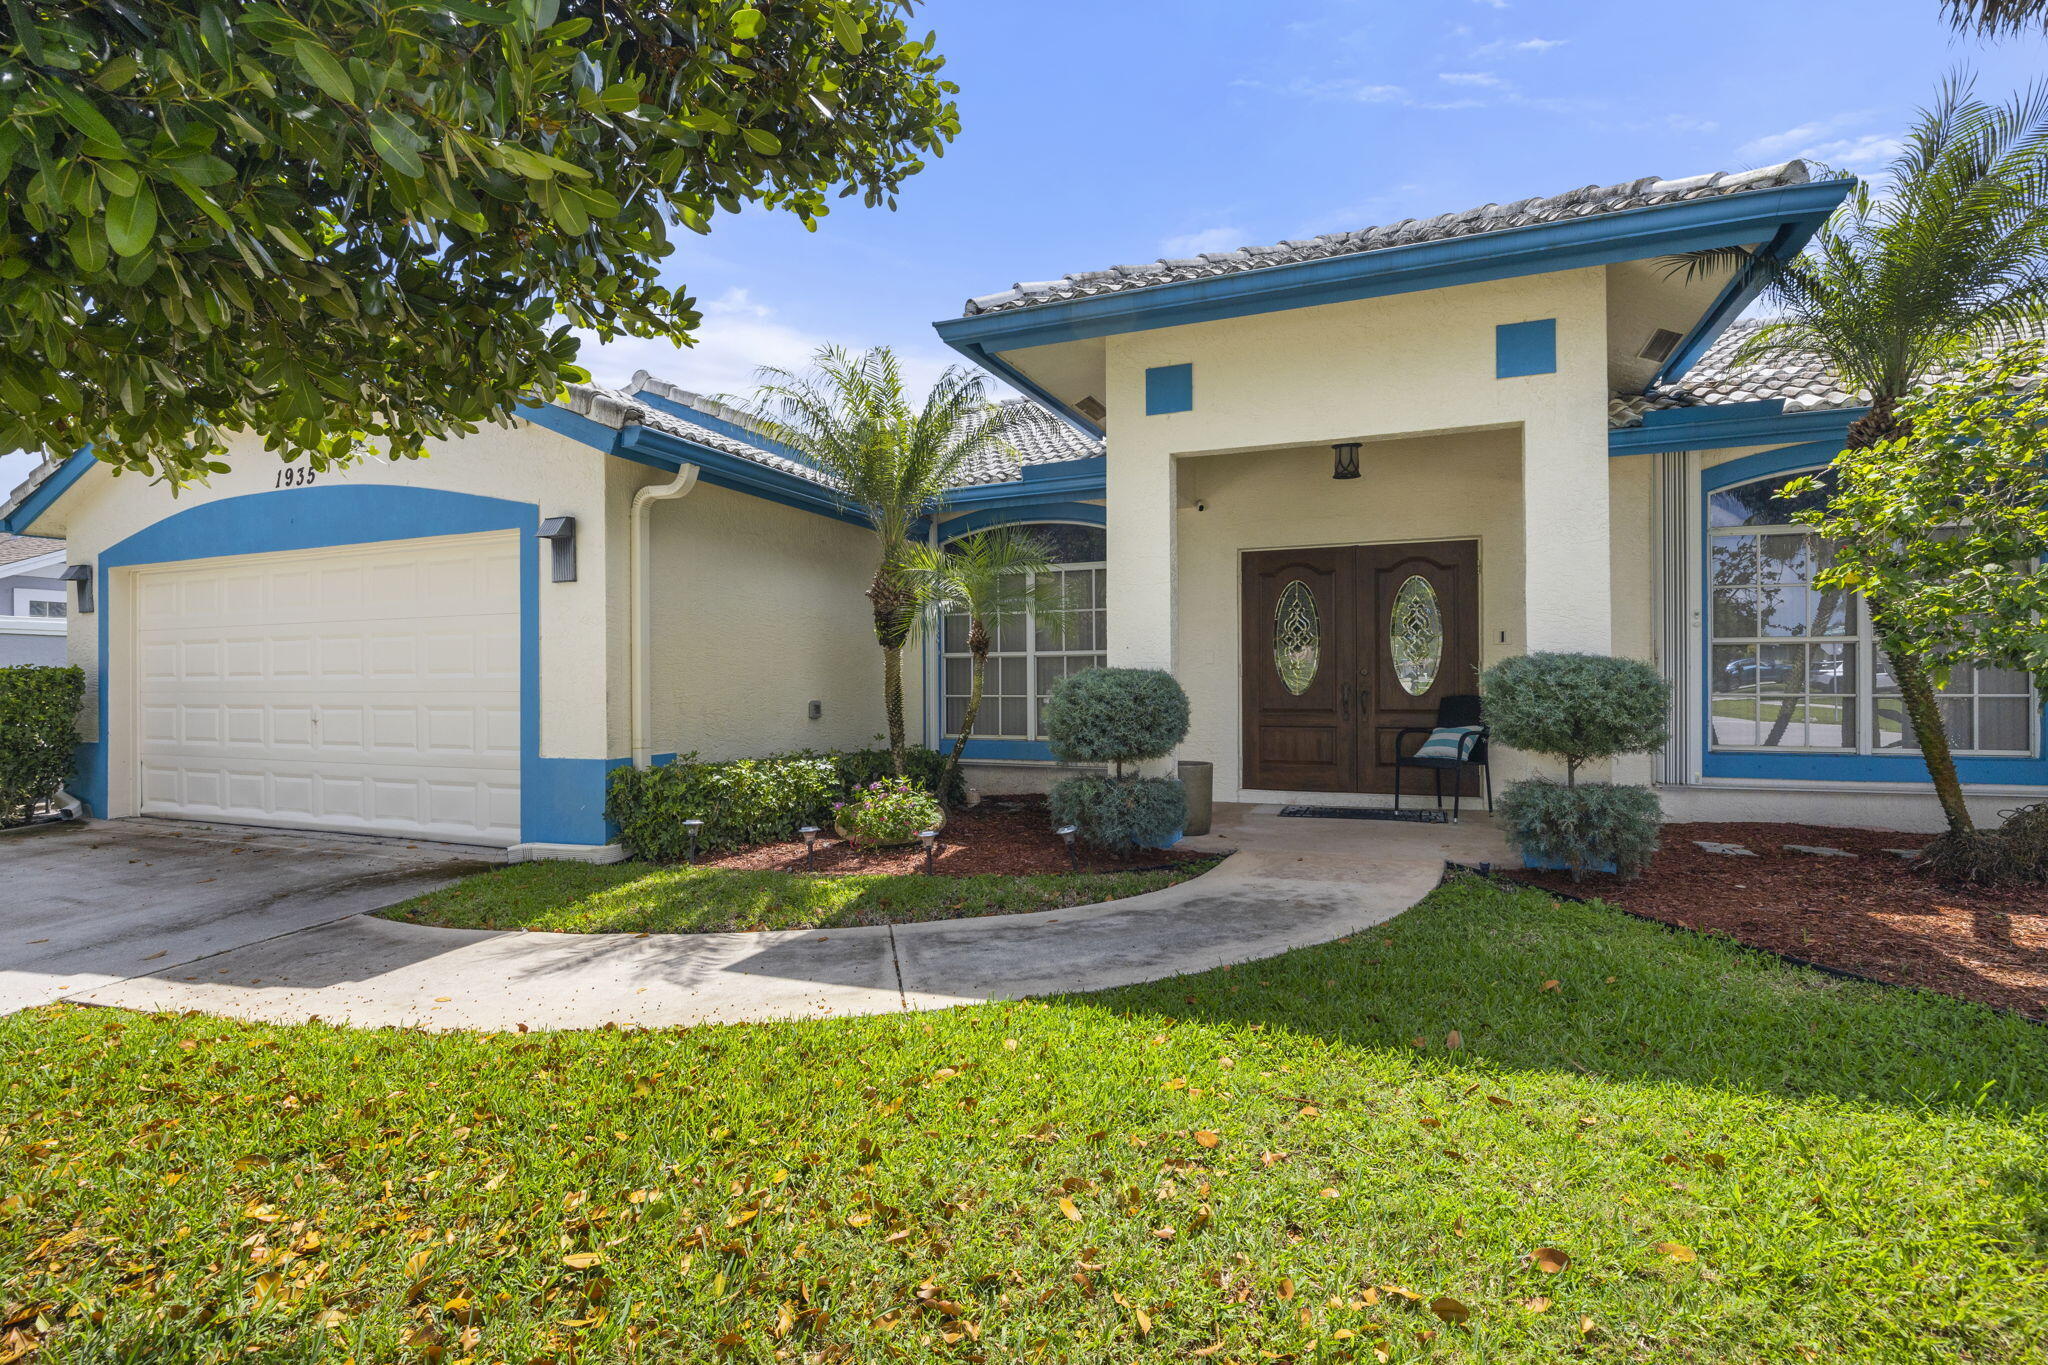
(580, 898)
(1743, 1162)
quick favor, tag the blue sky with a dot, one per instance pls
(1122, 130)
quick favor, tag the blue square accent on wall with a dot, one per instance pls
(1169, 388)
(1521, 348)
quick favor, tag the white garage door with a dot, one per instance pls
(372, 689)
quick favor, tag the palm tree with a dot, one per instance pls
(849, 416)
(983, 577)
(1995, 18)
(1905, 283)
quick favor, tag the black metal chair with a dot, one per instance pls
(1472, 753)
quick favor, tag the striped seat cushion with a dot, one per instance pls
(1448, 741)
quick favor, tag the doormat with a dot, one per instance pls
(1413, 817)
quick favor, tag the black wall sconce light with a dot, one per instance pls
(561, 533)
(81, 574)
(1347, 460)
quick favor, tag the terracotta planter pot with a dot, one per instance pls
(840, 830)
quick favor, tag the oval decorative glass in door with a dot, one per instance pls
(1297, 637)
(1416, 635)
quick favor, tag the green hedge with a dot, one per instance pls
(745, 801)
(38, 735)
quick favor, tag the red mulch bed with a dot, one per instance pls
(1871, 915)
(1006, 835)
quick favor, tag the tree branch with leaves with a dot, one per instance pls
(345, 223)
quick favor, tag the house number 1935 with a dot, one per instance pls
(293, 476)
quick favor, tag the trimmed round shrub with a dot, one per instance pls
(1121, 813)
(1577, 707)
(1582, 828)
(1116, 715)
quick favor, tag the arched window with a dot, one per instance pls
(1034, 649)
(1792, 666)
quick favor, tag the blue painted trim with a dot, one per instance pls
(1525, 348)
(1012, 750)
(1758, 765)
(735, 472)
(573, 425)
(561, 800)
(1169, 388)
(1717, 427)
(1086, 514)
(1541, 248)
(1069, 478)
(18, 522)
(987, 358)
(1735, 296)
(1810, 455)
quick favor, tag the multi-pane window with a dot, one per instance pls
(1795, 666)
(1032, 650)
(41, 607)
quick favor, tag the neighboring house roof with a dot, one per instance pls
(1802, 380)
(1036, 435)
(1592, 201)
(14, 549)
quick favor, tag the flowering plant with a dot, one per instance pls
(893, 810)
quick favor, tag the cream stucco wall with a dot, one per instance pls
(521, 463)
(761, 609)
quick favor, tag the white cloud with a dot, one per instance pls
(1484, 79)
(14, 467)
(1774, 145)
(738, 337)
(1505, 45)
(1494, 4)
(1207, 239)
(1837, 141)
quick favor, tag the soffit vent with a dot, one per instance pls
(1659, 347)
(1091, 408)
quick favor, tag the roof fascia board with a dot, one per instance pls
(574, 425)
(33, 566)
(1743, 424)
(1019, 381)
(47, 493)
(1736, 295)
(1539, 248)
(735, 473)
(1089, 483)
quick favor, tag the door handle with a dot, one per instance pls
(1344, 700)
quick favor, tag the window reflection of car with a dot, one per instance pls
(1740, 674)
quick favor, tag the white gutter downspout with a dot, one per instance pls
(642, 571)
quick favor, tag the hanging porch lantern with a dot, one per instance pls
(1347, 460)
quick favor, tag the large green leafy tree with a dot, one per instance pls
(851, 416)
(1909, 282)
(334, 222)
(1943, 527)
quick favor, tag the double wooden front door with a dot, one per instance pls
(1342, 648)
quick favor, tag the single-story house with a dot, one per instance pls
(32, 600)
(1551, 449)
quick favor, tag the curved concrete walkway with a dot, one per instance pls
(1304, 882)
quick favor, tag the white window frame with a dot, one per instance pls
(1031, 654)
(1861, 643)
(24, 596)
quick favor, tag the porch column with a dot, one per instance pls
(1140, 525)
(1567, 582)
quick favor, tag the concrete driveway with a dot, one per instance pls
(86, 905)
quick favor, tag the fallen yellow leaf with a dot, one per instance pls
(1449, 1309)
(1207, 1138)
(1067, 1207)
(1677, 1252)
(582, 1260)
(1549, 1260)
